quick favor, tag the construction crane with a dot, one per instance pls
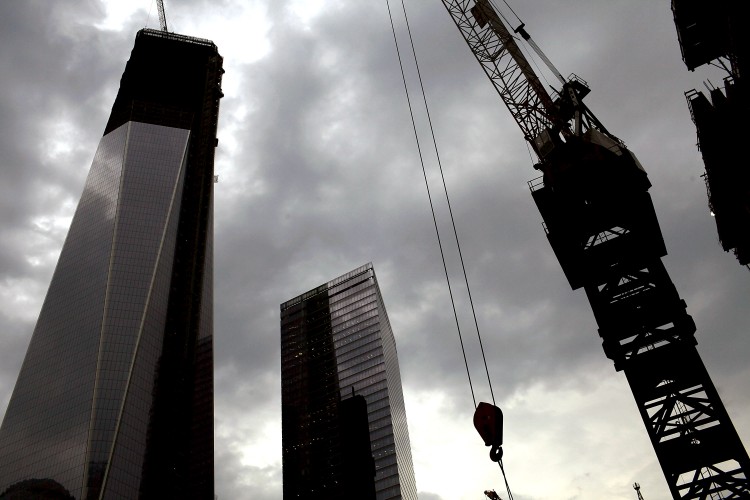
(637, 488)
(600, 221)
(162, 15)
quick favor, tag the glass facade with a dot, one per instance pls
(115, 395)
(337, 344)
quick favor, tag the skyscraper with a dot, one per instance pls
(339, 379)
(115, 395)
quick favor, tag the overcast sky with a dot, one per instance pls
(319, 174)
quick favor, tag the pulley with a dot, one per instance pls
(488, 421)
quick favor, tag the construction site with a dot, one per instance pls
(559, 216)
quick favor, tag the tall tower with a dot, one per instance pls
(115, 394)
(337, 347)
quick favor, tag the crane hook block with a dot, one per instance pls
(488, 420)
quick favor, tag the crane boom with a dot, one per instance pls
(162, 15)
(601, 224)
(540, 117)
(505, 65)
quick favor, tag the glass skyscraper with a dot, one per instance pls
(339, 380)
(115, 394)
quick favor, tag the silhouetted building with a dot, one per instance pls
(357, 462)
(344, 426)
(115, 395)
(721, 124)
(716, 33)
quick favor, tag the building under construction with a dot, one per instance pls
(115, 396)
(713, 33)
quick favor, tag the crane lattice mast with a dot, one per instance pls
(162, 15)
(637, 488)
(601, 224)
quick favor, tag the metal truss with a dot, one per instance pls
(647, 332)
(507, 68)
(610, 244)
(601, 224)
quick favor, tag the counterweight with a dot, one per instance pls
(600, 221)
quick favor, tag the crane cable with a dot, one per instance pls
(448, 202)
(530, 41)
(450, 210)
(148, 16)
(429, 196)
(505, 478)
(500, 13)
(511, 9)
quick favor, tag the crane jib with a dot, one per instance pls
(540, 117)
(507, 68)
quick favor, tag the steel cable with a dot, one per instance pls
(432, 207)
(447, 199)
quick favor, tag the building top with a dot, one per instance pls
(146, 32)
(327, 286)
(165, 81)
(706, 31)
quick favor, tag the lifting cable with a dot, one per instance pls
(450, 210)
(448, 202)
(432, 208)
(148, 16)
(505, 478)
(429, 196)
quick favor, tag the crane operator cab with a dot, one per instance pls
(593, 193)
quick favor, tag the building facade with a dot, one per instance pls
(115, 395)
(344, 426)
